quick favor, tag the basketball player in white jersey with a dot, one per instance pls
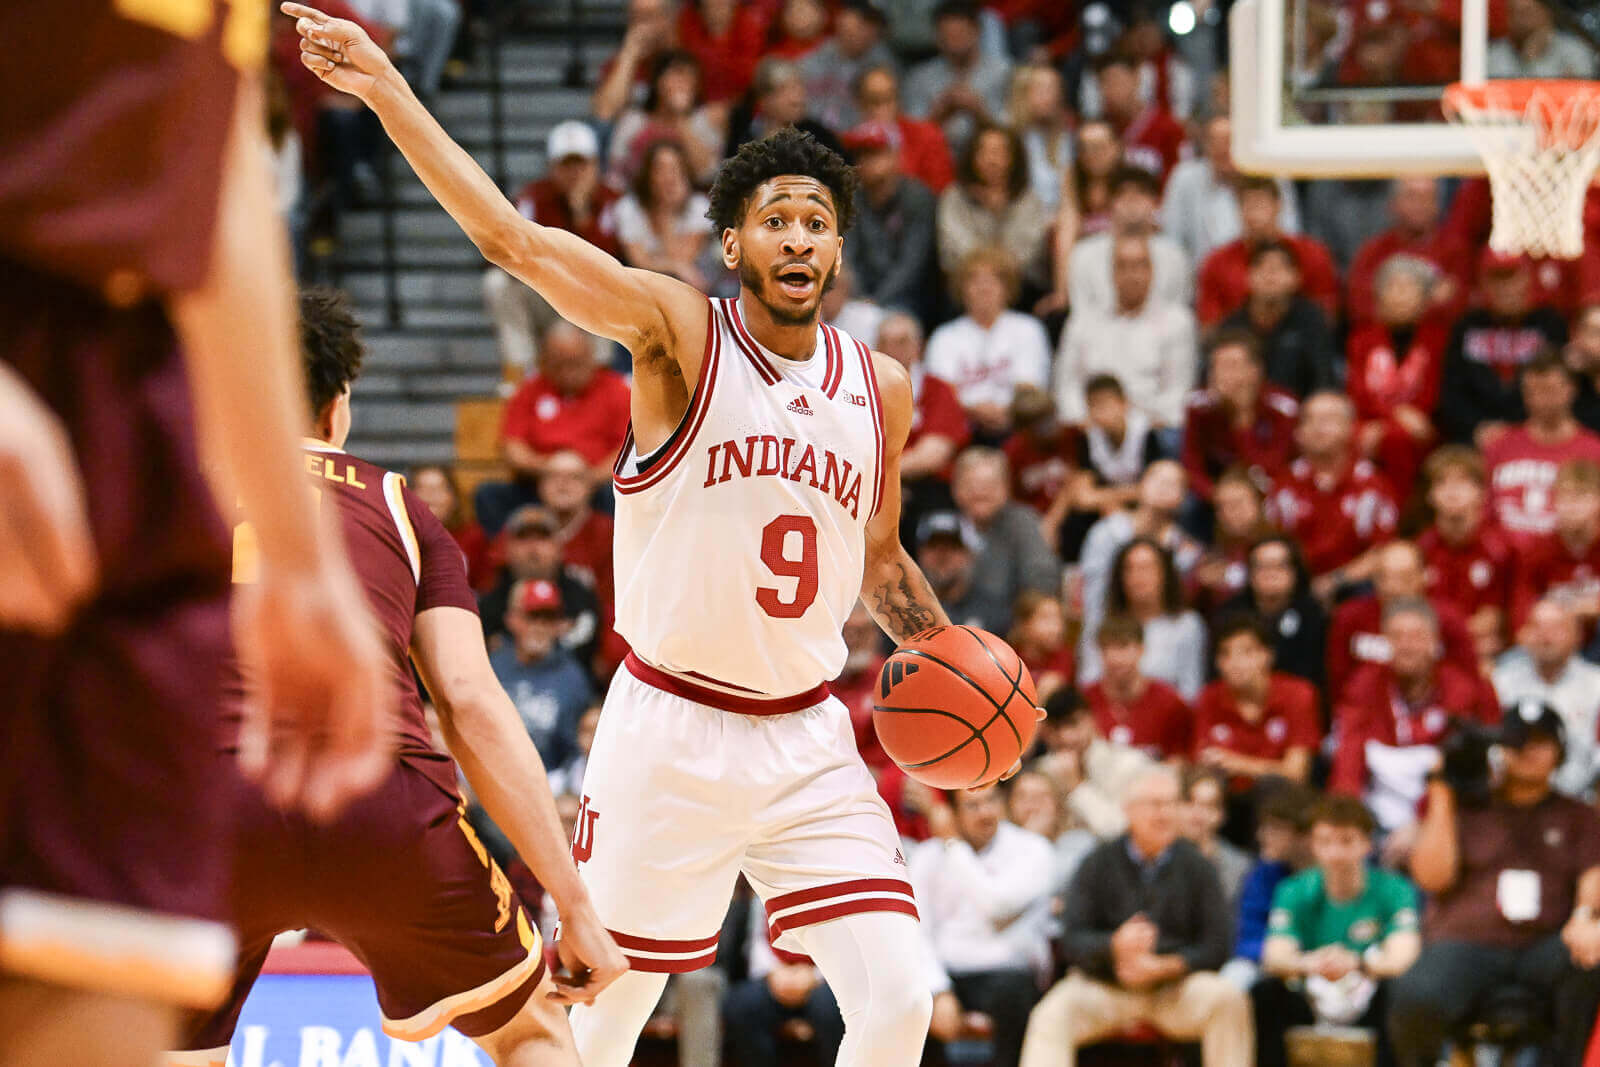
(758, 495)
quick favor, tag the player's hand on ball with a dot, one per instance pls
(338, 51)
(590, 959)
(47, 557)
(317, 730)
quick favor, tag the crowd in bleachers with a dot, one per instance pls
(1275, 492)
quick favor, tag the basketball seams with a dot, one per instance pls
(1016, 684)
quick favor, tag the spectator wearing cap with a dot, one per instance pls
(1534, 48)
(1224, 280)
(891, 250)
(1130, 707)
(1090, 268)
(924, 153)
(1012, 555)
(1092, 773)
(1470, 560)
(777, 98)
(963, 84)
(671, 110)
(1338, 935)
(946, 551)
(1545, 667)
(1393, 366)
(1414, 232)
(1565, 563)
(939, 427)
(830, 70)
(570, 403)
(533, 551)
(1356, 638)
(1335, 503)
(1151, 138)
(1297, 347)
(1145, 929)
(1147, 341)
(1514, 897)
(1200, 209)
(1392, 716)
(991, 206)
(548, 685)
(1489, 346)
(569, 197)
(990, 350)
(1523, 459)
(1159, 496)
(1277, 590)
(1237, 419)
(728, 39)
(661, 222)
(983, 895)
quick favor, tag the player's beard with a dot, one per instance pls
(755, 283)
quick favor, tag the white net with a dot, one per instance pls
(1540, 143)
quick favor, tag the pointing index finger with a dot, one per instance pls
(301, 11)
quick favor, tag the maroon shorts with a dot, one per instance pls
(401, 880)
(110, 805)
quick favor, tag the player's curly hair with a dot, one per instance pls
(330, 345)
(788, 151)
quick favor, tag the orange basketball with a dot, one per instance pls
(955, 707)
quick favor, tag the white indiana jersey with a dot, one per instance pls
(740, 544)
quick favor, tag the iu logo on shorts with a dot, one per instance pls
(583, 832)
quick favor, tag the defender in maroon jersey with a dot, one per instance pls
(400, 878)
(143, 266)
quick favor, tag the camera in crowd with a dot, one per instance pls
(1464, 753)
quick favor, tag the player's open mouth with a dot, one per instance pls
(797, 282)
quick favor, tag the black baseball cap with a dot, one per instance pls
(1526, 718)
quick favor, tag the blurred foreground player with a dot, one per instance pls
(144, 271)
(399, 876)
(758, 498)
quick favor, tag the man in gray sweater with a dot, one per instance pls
(891, 251)
(1146, 929)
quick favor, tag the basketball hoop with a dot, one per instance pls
(1540, 142)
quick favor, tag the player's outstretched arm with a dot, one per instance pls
(892, 585)
(487, 738)
(636, 308)
(319, 733)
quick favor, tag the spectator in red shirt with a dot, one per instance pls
(939, 427)
(435, 486)
(1356, 636)
(1039, 636)
(1523, 460)
(924, 153)
(1393, 371)
(1297, 346)
(1470, 560)
(1414, 207)
(1392, 716)
(570, 197)
(1335, 503)
(571, 403)
(1151, 138)
(800, 29)
(566, 487)
(1129, 707)
(728, 39)
(1237, 419)
(1565, 563)
(1253, 724)
(1043, 452)
(1489, 346)
(1224, 276)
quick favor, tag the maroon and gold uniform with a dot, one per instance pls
(112, 143)
(399, 878)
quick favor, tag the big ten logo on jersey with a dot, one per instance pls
(583, 832)
(770, 456)
(244, 26)
(852, 398)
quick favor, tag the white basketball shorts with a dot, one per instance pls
(687, 786)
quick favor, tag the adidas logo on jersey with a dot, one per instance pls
(799, 406)
(899, 857)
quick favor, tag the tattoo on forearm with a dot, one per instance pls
(904, 603)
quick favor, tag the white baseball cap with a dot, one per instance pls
(572, 138)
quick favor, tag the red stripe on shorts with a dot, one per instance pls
(653, 966)
(651, 944)
(838, 889)
(812, 916)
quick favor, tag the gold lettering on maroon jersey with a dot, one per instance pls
(499, 884)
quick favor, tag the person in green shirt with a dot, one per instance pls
(1338, 931)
